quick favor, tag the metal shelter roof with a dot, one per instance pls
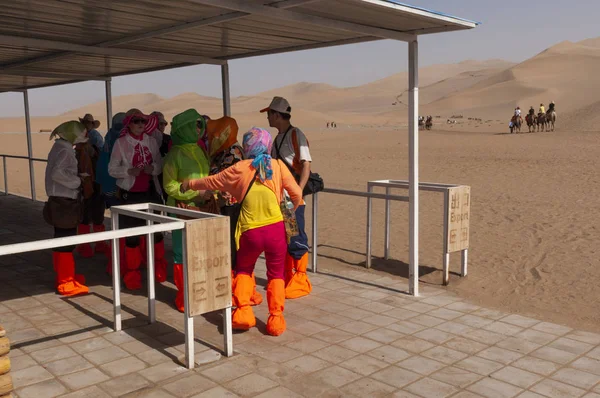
(51, 42)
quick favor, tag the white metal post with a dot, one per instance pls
(226, 90)
(463, 262)
(29, 145)
(116, 271)
(109, 113)
(413, 165)
(227, 332)
(151, 275)
(369, 222)
(188, 320)
(446, 255)
(5, 175)
(386, 249)
(315, 240)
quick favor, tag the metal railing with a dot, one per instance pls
(31, 171)
(369, 195)
(154, 223)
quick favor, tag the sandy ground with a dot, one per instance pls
(534, 213)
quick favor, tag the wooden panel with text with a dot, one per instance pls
(208, 264)
(459, 212)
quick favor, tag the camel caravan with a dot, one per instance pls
(543, 121)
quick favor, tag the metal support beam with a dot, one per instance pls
(265, 11)
(157, 32)
(226, 89)
(116, 52)
(413, 166)
(50, 75)
(109, 112)
(29, 145)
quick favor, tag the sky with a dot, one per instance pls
(514, 30)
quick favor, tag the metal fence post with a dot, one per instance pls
(386, 249)
(446, 255)
(151, 274)
(116, 274)
(188, 320)
(315, 240)
(369, 224)
(29, 145)
(5, 175)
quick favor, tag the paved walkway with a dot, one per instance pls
(355, 336)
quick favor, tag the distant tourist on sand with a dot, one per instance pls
(291, 146)
(259, 184)
(64, 207)
(135, 162)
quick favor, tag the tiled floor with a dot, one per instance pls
(354, 336)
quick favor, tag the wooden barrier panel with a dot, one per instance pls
(459, 211)
(208, 264)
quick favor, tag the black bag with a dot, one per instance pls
(315, 181)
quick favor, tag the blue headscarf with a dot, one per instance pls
(108, 183)
(257, 145)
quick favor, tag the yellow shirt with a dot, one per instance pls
(542, 109)
(260, 208)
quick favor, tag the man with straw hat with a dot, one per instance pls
(94, 137)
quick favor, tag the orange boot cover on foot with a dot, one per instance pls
(133, 277)
(67, 285)
(289, 268)
(299, 285)
(243, 316)
(256, 298)
(85, 249)
(276, 301)
(160, 264)
(102, 246)
(178, 279)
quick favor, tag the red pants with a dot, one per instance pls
(271, 240)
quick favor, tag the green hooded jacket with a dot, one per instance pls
(185, 160)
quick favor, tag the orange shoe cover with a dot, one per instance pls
(243, 316)
(299, 285)
(276, 301)
(64, 265)
(256, 298)
(289, 268)
(178, 279)
(102, 246)
(122, 260)
(85, 249)
(160, 264)
(133, 277)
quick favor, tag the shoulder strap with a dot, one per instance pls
(249, 187)
(279, 157)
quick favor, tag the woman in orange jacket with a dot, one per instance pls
(260, 185)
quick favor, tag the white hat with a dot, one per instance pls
(279, 104)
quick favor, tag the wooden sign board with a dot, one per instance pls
(459, 211)
(209, 264)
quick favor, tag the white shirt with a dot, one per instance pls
(287, 150)
(517, 112)
(121, 159)
(62, 177)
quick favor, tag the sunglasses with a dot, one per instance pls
(139, 121)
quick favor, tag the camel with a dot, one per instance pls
(550, 120)
(541, 121)
(515, 124)
(531, 120)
